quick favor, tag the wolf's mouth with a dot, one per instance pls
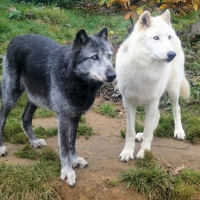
(165, 60)
(96, 78)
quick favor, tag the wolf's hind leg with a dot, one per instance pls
(27, 126)
(139, 136)
(11, 91)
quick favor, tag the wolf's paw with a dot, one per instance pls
(139, 137)
(140, 154)
(38, 143)
(69, 176)
(126, 155)
(79, 162)
(179, 134)
(3, 151)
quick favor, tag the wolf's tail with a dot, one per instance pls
(185, 89)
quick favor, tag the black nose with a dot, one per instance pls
(110, 75)
(171, 55)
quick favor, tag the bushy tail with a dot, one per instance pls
(185, 89)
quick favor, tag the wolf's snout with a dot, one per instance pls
(171, 55)
(110, 75)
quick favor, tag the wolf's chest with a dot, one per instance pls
(144, 84)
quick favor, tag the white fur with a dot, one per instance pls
(38, 143)
(68, 175)
(79, 162)
(3, 151)
(143, 75)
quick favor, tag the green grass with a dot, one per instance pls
(37, 181)
(155, 183)
(138, 128)
(84, 130)
(45, 154)
(60, 25)
(165, 127)
(27, 152)
(106, 109)
(41, 132)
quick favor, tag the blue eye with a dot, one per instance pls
(95, 57)
(156, 38)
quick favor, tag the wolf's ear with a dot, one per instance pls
(104, 33)
(145, 20)
(166, 16)
(81, 38)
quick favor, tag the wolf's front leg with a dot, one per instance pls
(67, 137)
(151, 120)
(76, 160)
(67, 173)
(129, 147)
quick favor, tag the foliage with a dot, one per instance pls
(134, 8)
(64, 3)
(15, 14)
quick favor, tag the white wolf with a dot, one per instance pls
(149, 62)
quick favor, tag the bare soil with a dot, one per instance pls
(102, 153)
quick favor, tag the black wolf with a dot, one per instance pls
(62, 78)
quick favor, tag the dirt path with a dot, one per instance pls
(101, 152)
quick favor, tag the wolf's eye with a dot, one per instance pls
(169, 37)
(109, 55)
(95, 57)
(156, 38)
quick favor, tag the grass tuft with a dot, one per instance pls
(19, 138)
(44, 154)
(183, 192)
(45, 133)
(193, 134)
(27, 152)
(49, 154)
(106, 109)
(123, 133)
(112, 183)
(84, 130)
(155, 183)
(148, 161)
